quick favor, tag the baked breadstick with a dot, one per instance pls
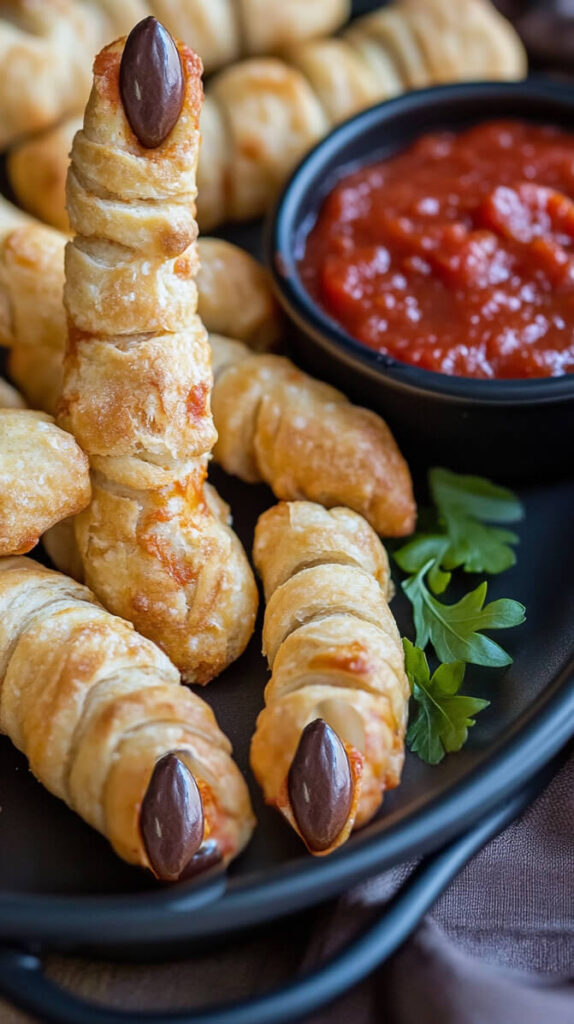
(59, 543)
(260, 116)
(37, 169)
(330, 740)
(99, 713)
(9, 397)
(46, 46)
(155, 542)
(306, 440)
(44, 62)
(233, 295)
(44, 477)
(222, 31)
(32, 318)
(274, 422)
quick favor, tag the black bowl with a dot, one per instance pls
(510, 429)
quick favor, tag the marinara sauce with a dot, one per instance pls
(458, 254)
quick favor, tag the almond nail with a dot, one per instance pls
(206, 857)
(171, 818)
(151, 82)
(320, 785)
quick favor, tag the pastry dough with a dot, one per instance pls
(59, 543)
(9, 397)
(93, 706)
(45, 55)
(47, 46)
(274, 422)
(44, 477)
(334, 652)
(37, 169)
(260, 116)
(32, 318)
(263, 115)
(233, 295)
(155, 543)
(306, 440)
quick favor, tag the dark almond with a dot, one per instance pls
(171, 818)
(320, 785)
(206, 857)
(151, 82)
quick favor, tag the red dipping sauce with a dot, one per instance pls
(456, 255)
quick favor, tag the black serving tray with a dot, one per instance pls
(63, 888)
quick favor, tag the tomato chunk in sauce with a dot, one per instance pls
(457, 255)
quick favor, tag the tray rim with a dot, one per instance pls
(143, 923)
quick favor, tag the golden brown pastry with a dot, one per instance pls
(470, 40)
(59, 543)
(260, 116)
(155, 542)
(37, 169)
(9, 397)
(45, 54)
(47, 46)
(32, 318)
(106, 727)
(233, 295)
(274, 422)
(306, 440)
(330, 739)
(44, 477)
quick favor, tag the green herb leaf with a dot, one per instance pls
(474, 496)
(463, 536)
(466, 504)
(455, 629)
(420, 549)
(425, 547)
(443, 716)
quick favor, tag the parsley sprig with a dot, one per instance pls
(443, 715)
(464, 537)
(461, 534)
(454, 629)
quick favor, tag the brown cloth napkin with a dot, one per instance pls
(509, 912)
(498, 947)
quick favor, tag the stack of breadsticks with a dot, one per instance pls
(47, 46)
(96, 707)
(98, 710)
(106, 726)
(233, 297)
(261, 115)
(274, 423)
